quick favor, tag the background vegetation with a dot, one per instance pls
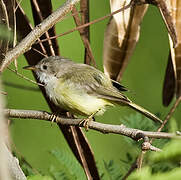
(41, 143)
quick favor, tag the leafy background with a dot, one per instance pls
(42, 144)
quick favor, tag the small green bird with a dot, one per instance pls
(80, 88)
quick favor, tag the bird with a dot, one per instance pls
(82, 89)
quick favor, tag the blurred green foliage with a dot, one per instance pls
(37, 141)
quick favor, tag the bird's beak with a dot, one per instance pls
(30, 68)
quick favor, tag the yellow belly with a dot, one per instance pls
(78, 101)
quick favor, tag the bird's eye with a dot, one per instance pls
(44, 67)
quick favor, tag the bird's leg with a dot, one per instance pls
(86, 121)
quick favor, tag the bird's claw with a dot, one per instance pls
(53, 118)
(85, 123)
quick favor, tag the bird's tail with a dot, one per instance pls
(144, 112)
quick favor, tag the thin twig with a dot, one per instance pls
(170, 113)
(24, 77)
(41, 44)
(39, 52)
(104, 128)
(18, 4)
(14, 34)
(132, 168)
(147, 146)
(84, 7)
(164, 10)
(83, 35)
(140, 160)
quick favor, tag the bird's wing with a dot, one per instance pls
(105, 89)
(94, 82)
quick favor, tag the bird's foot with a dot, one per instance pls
(53, 118)
(85, 123)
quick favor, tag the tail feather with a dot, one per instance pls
(144, 112)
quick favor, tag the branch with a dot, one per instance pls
(27, 42)
(132, 168)
(135, 134)
(83, 36)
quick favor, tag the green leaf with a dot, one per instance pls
(138, 121)
(71, 169)
(113, 170)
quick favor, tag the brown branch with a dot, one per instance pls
(41, 19)
(27, 42)
(84, 7)
(83, 36)
(132, 168)
(147, 146)
(162, 6)
(45, 55)
(140, 160)
(24, 77)
(135, 134)
(169, 115)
